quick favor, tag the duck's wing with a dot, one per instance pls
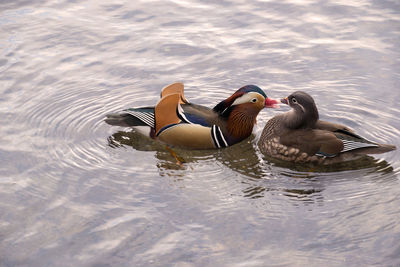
(169, 110)
(166, 112)
(312, 141)
(175, 88)
(146, 116)
(175, 126)
(352, 141)
(197, 114)
(329, 144)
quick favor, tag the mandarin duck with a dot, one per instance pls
(299, 136)
(175, 121)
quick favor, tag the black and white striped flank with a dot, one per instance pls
(218, 137)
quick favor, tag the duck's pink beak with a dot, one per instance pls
(271, 103)
(285, 101)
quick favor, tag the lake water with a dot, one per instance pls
(75, 191)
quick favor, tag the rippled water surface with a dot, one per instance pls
(77, 192)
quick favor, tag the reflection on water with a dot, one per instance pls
(241, 157)
(244, 159)
(365, 162)
(77, 192)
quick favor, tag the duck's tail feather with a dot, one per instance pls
(132, 117)
(380, 148)
(124, 120)
(356, 144)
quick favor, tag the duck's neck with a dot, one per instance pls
(295, 120)
(240, 125)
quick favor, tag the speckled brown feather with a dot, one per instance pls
(289, 137)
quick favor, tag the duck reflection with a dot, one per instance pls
(310, 169)
(263, 174)
(241, 158)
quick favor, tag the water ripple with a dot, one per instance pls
(76, 190)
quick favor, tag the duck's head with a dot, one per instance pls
(249, 99)
(241, 109)
(304, 113)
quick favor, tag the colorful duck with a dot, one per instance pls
(299, 136)
(177, 122)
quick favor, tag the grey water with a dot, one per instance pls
(75, 191)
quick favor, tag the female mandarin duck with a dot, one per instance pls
(299, 136)
(177, 122)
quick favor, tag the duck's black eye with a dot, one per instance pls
(294, 100)
(254, 100)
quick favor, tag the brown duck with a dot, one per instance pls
(299, 136)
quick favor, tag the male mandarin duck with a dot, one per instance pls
(299, 136)
(177, 122)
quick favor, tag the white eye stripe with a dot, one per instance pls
(304, 110)
(294, 101)
(246, 98)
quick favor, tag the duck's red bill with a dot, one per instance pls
(271, 103)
